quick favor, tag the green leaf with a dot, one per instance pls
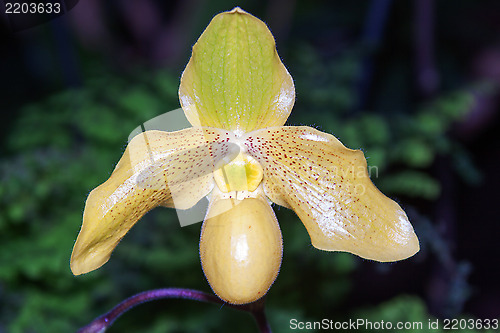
(415, 152)
(411, 183)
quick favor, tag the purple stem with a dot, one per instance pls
(100, 324)
(262, 323)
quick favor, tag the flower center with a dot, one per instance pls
(243, 173)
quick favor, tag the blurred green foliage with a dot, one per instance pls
(62, 147)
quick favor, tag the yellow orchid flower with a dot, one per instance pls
(237, 95)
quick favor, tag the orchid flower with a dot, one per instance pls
(237, 95)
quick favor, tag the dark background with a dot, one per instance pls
(414, 84)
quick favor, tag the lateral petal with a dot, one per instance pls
(328, 187)
(158, 168)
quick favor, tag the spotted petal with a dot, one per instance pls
(328, 186)
(157, 168)
(235, 79)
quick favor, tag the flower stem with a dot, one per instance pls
(102, 323)
(262, 323)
